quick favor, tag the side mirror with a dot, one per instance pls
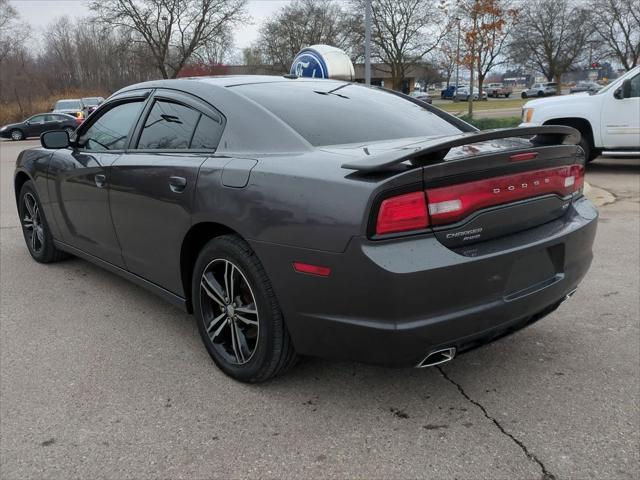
(55, 139)
(624, 91)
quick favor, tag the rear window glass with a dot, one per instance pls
(68, 104)
(333, 113)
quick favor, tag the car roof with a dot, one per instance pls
(69, 100)
(227, 81)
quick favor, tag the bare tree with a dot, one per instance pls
(617, 27)
(12, 31)
(446, 56)
(297, 25)
(404, 32)
(551, 36)
(173, 31)
(487, 25)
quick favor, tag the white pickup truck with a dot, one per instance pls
(609, 120)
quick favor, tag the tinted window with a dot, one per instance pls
(68, 105)
(331, 113)
(37, 119)
(207, 134)
(110, 131)
(169, 125)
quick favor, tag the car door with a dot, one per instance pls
(153, 184)
(621, 118)
(79, 181)
(35, 126)
(51, 122)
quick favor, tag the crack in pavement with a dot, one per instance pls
(546, 475)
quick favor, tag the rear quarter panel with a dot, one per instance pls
(301, 200)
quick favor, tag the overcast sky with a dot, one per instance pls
(40, 12)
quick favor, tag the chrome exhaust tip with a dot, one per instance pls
(438, 357)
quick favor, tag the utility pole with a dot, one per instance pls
(455, 91)
(367, 43)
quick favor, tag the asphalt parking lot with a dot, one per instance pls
(100, 379)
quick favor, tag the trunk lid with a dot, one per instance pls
(484, 185)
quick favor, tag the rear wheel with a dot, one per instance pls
(17, 135)
(523, 95)
(541, 94)
(35, 228)
(238, 315)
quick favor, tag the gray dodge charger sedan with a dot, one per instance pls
(315, 217)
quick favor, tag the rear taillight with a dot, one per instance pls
(402, 213)
(452, 203)
(455, 202)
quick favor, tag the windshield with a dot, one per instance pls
(332, 113)
(91, 101)
(619, 81)
(68, 105)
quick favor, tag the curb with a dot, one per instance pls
(599, 196)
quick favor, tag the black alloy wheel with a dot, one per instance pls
(237, 312)
(229, 311)
(35, 228)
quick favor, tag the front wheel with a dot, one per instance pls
(238, 315)
(35, 228)
(17, 135)
(523, 95)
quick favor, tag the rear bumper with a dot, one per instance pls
(393, 302)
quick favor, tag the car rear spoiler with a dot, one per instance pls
(436, 148)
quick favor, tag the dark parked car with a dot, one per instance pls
(37, 124)
(315, 217)
(73, 107)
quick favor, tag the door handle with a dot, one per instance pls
(101, 180)
(177, 184)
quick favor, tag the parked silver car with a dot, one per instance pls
(463, 94)
(540, 90)
(422, 96)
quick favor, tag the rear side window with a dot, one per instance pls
(110, 130)
(207, 134)
(331, 113)
(176, 127)
(168, 126)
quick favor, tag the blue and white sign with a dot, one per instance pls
(309, 64)
(323, 61)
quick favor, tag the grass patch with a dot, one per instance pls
(490, 123)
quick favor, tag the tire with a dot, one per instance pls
(41, 247)
(586, 143)
(541, 94)
(17, 135)
(506, 95)
(265, 349)
(523, 95)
